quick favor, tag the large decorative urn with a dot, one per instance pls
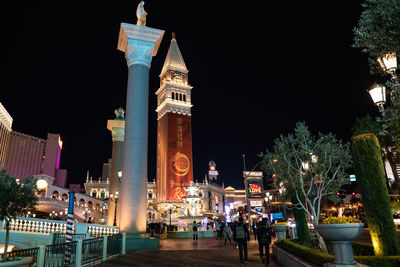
(341, 235)
(280, 230)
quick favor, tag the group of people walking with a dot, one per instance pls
(239, 232)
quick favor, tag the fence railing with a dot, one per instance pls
(30, 252)
(59, 238)
(55, 254)
(114, 245)
(92, 250)
(81, 251)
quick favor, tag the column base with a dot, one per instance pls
(137, 241)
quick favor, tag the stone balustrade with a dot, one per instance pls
(45, 227)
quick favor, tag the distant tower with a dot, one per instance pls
(174, 134)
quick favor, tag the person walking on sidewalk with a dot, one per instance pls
(241, 236)
(264, 234)
(218, 228)
(227, 233)
(195, 232)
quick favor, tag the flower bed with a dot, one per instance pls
(340, 220)
(318, 258)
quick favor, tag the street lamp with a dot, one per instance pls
(388, 63)
(378, 95)
(115, 199)
(267, 199)
(282, 190)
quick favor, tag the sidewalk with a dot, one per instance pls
(183, 252)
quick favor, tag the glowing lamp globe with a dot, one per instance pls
(41, 184)
(378, 94)
(388, 62)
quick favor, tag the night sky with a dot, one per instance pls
(255, 71)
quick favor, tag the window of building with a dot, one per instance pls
(180, 97)
(150, 195)
(102, 194)
(184, 98)
(173, 95)
(94, 193)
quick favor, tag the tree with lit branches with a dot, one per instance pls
(310, 168)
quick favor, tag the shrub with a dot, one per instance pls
(364, 252)
(369, 169)
(339, 220)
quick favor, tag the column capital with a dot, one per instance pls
(117, 128)
(140, 43)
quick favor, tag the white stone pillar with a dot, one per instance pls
(140, 43)
(117, 128)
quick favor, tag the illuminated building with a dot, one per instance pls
(5, 129)
(29, 155)
(174, 137)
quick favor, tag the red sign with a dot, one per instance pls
(180, 170)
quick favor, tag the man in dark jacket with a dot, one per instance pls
(264, 234)
(241, 236)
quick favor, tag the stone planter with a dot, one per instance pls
(280, 231)
(20, 262)
(341, 237)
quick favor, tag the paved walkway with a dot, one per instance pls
(182, 252)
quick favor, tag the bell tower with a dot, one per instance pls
(174, 133)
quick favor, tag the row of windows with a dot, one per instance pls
(178, 96)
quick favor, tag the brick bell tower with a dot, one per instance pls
(174, 133)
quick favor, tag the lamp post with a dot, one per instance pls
(282, 190)
(388, 63)
(267, 199)
(115, 199)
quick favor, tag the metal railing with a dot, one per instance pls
(114, 245)
(60, 238)
(54, 255)
(92, 250)
(30, 252)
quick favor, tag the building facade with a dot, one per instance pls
(5, 130)
(29, 155)
(174, 136)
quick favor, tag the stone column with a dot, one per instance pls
(117, 128)
(140, 43)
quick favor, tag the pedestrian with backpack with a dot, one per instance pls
(241, 236)
(264, 234)
(195, 232)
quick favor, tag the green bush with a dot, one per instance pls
(369, 169)
(379, 261)
(365, 252)
(308, 254)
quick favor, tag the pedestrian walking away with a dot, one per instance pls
(241, 236)
(195, 232)
(218, 228)
(227, 233)
(264, 234)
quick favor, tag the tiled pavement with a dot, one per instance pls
(182, 252)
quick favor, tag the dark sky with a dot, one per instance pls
(255, 71)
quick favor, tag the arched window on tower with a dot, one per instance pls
(173, 95)
(184, 98)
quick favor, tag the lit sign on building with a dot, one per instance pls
(253, 174)
(213, 173)
(352, 178)
(256, 203)
(254, 188)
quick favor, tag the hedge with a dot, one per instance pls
(370, 172)
(318, 258)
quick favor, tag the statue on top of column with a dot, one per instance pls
(141, 14)
(119, 114)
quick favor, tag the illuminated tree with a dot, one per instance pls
(16, 198)
(310, 168)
